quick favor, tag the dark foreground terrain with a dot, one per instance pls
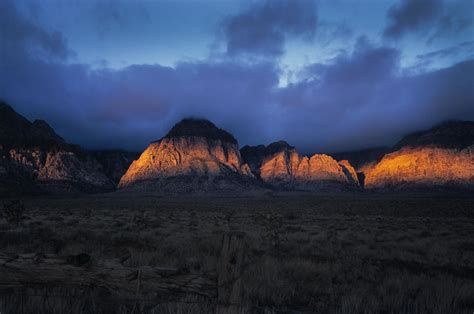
(349, 253)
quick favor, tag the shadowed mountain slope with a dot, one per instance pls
(114, 162)
(34, 159)
(447, 135)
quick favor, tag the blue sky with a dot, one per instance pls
(121, 33)
(323, 75)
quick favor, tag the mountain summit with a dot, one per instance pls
(195, 155)
(200, 128)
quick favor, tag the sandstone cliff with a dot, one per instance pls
(280, 165)
(34, 159)
(194, 156)
(423, 167)
(440, 157)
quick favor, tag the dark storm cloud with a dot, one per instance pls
(359, 99)
(18, 34)
(431, 16)
(364, 99)
(132, 106)
(411, 15)
(262, 28)
(106, 108)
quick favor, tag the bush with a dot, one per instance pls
(13, 212)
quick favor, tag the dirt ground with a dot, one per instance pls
(347, 253)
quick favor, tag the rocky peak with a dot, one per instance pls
(280, 164)
(13, 126)
(277, 147)
(450, 134)
(17, 131)
(191, 127)
(192, 150)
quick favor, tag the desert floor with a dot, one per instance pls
(348, 253)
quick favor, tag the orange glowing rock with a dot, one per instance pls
(193, 149)
(442, 156)
(424, 166)
(280, 164)
(185, 156)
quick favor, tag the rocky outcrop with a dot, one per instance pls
(255, 156)
(194, 156)
(442, 157)
(114, 162)
(362, 160)
(349, 171)
(34, 159)
(423, 167)
(61, 170)
(280, 165)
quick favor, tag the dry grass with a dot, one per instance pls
(322, 254)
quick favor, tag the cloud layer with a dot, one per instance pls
(431, 16)
(359, 99)
(263, 28)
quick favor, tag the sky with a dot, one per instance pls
(326, 76)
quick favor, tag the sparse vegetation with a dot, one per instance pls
(316, 254)
(13, 211)
(273, 224)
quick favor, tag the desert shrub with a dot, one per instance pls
(273, 224)
(193, 221)
(140, 220)
(13, 212)
(229, 218)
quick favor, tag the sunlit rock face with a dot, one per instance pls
(280, 164)
(423, 167)
(194, 155)
(34, 159)
(61, 170)
(440, 157)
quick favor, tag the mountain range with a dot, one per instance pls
(197, 156)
